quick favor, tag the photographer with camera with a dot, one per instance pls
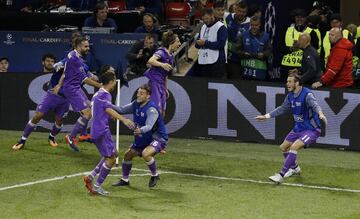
(140, 53)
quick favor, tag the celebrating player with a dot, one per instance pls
(307, 114)
(150, 135)
(161, 65)
(102, 110)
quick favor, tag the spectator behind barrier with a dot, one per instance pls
(292, 54)
(4, 64)
(211, 44)
(335, 22)
(254, 48)
(100, 18)
(220, 12)
(48, 61)
(149, 25)
(140, 53)
(310, 70)
(237, 23)
(338, 72)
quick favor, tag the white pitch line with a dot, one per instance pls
(185, 174)
(42, 181)
(260, 182)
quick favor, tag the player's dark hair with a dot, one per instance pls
(150, 36)
(4, 58)
(255, 19)
(168, 38)
(154, 19)
(146, 87)
(242, 5)
(104, 69)
(297, 77)
(50, 56)
(106, 77)
(79, 40)
(99, 6)
(207, 11)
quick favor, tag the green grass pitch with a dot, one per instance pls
(199, 179)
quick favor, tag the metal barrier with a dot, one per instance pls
(184, 48)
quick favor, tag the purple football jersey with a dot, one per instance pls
(74, 72)
(158, 74)
(100, 102)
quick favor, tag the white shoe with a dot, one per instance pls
(291, 172)
(277, 178)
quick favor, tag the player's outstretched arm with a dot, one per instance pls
(262, 117)
(130, 124)
(93, 83)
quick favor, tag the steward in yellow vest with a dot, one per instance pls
(293, 56)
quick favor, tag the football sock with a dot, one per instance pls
(126, 168)
(55, 130)
(28, 129)
(285, 156)
(79, 125)
(97, 168)
(289, 161)
(104, 171)
(152, 166)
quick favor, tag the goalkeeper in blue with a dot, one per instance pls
(307, 115)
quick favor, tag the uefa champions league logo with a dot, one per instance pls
(8, 40)
(270, 18)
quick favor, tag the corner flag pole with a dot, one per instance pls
(117, 121)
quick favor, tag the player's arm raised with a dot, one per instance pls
(154, 61)
(130, 124)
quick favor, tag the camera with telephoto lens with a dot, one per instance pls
(323, 8)
(147, 53)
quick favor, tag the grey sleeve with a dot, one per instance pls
(311, 102)
(285, 106)
(152, 116)
(127, 109)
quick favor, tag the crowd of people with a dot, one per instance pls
(318, 47)
(233, 45)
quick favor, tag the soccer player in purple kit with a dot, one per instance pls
(307, 115)
(102, 110)
(74, 75)
(50, 101)
(150, 135)
(161, 65)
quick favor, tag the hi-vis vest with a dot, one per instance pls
(318, 34)
(209, 56)
(327, 44)
(293, 59)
